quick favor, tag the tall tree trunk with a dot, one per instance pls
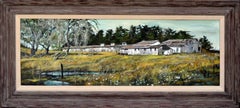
(67, 38)
(68, 48)
(33, 51)
(47, 51)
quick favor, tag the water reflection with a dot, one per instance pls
(55, 83)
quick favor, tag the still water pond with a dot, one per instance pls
(57, 74)
(55, 83)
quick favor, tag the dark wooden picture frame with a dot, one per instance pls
(9, 97)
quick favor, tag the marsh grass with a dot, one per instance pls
(128, 70)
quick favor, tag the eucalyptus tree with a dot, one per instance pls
(65, 30)
(83, 30)
(32, 30)
(49, 36)
(75, 32)
(59, 33)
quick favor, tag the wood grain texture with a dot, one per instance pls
(229, 99)
(237, 83)
(1, 37)
(172, 3)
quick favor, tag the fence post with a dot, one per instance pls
(61, 70)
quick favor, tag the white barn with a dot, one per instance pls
(183, 45)
(141, 48)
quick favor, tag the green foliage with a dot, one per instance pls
(135, 34)
(206, 44)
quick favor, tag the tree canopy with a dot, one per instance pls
(138, 33)
(55, 33)
(206, 44)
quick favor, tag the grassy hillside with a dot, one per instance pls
(177, 69)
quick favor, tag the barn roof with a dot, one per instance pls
(177, 42)
(146, 42)
(143, 44)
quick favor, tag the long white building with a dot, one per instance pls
(152, 47)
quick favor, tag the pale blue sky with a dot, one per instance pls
(198, 28)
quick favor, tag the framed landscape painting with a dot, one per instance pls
(125, 51)
(120, 53)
